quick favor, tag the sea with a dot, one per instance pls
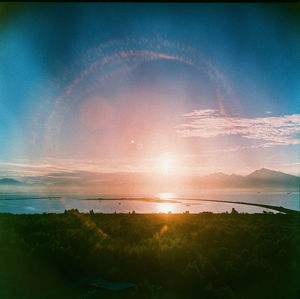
(57, 203)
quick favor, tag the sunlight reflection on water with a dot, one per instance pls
(169, 202)
(167, 207)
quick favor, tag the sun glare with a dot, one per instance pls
(166, 164)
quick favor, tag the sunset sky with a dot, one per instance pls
(166, 89)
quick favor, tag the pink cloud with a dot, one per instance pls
(270, 131)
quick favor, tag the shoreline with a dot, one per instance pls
(279, 209)
(177, 200)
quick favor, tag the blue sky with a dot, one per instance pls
(150, 103)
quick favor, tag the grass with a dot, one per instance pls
(202, 255)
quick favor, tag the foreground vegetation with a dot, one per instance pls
(164, 256)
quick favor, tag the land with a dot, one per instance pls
(275, 208)
(138, 199)
(26, 198)
(143, 183)
(206, 255)
(178, 200)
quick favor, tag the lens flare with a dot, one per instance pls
(108, 62)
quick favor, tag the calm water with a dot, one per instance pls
(33, 203)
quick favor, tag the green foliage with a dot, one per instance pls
(166, 256)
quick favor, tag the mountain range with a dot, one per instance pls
(10, 182)
(262, 178)
(145, 182)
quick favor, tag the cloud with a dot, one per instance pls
(29, 167)
(269, 131)
(291, 164)
(62, 167)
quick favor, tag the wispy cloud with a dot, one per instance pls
(291, 164)
(55, 167)
(269, 131)
(46, 166)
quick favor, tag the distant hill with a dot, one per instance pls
(262, 178)
(7, 181)
(144, 183)
(265, 173)
(269, 178)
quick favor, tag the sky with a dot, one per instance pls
(149, 88)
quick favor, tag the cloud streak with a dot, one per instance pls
(269, 131)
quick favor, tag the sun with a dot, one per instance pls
(166, 164)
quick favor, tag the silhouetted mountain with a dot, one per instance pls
(269, 178)
(147, 182)
(217, 175)
(7, 181)
(265, 173)
(262, 178)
